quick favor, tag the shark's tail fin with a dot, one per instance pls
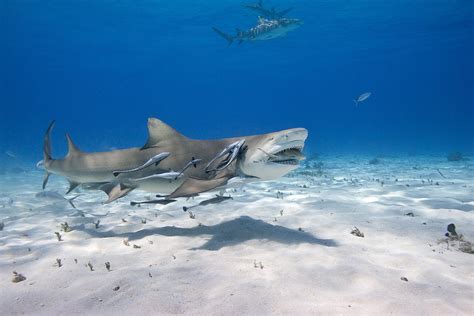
(47, 151)
(226, 36)
(47, 143)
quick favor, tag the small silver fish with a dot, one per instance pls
(232, 151)
(215, 200)
(10, 154)
(193, 162)
(153, 160)
(362, 97)
(55, 196)
(40, 164)
(162, 202)
(171, 175)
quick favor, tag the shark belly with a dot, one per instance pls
(155, 185)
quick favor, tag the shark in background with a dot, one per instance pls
(271, 14)
(175, 165)
(264, 30)
(270, 24)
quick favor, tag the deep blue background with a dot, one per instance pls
(100, 68)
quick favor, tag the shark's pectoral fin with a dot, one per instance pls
(116, 190)
(45, 179)
(72, 186)
(159, 132)
(192, 187)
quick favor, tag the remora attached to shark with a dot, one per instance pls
(249, 158)
(265, 29)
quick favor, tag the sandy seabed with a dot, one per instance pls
(279, 247)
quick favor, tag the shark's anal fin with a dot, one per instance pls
(45, 179)
(115, 190)
(160, 132)
(72, 186)
(192, 187)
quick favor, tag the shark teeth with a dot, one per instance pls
(288, 156)
(286, 162)
(295, 149)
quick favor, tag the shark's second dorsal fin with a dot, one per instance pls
(159, 132)
(72, 148)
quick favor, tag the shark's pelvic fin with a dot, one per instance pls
(72, 186)
(161, 133)
(72, 148)
(45, 179)
(115, 190)
(192, 187)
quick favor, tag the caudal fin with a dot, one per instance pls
(227, 37)
(47, 143)
(47, 151)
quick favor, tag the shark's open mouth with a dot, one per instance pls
(287, 156)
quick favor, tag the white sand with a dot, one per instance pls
(209, 269)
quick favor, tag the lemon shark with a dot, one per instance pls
(175, 165)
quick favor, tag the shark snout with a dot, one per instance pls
(294, 134)
(288, 139)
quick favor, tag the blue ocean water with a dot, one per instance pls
(101, 68)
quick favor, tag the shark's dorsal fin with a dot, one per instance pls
(161, 133)
(192, 187)
(71, 147)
